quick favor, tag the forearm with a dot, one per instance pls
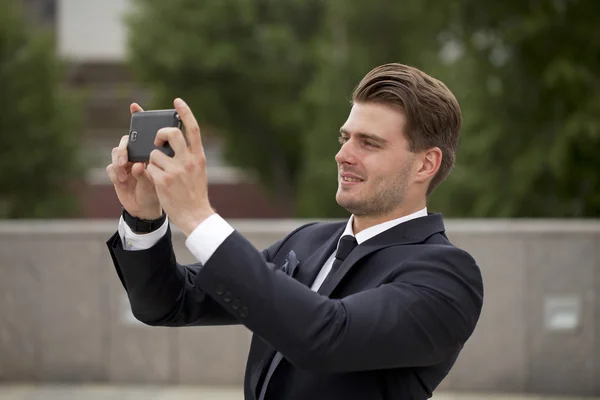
(161, 291)
(191, 306)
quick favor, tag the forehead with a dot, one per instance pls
(377, 119)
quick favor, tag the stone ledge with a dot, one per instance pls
(284, 226)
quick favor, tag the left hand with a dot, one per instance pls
(181, 181)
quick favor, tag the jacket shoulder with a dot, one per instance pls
(438, 246)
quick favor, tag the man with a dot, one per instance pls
(377, 307)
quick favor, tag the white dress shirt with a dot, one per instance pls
(213, 231)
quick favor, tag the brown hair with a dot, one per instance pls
(433, 116)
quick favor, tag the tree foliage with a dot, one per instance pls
(530, 91)
(243, 66)
(38, 156)
(274, 79)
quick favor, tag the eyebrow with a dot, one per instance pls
(365, 135)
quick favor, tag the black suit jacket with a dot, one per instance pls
(389, 326)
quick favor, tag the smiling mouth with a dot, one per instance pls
(346, 180)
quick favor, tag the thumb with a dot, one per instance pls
(135, 107)
(142, 176)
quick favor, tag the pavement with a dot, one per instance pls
(148, 392)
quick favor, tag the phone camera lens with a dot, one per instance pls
(133, 136)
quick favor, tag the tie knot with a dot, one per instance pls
(347, 244)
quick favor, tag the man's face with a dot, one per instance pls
(375, 166)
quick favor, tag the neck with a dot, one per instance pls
(362, 222)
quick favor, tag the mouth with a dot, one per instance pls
(348, 180)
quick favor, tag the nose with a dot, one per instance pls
(345, 155)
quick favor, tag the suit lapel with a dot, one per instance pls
(308, 270)
(410, 232)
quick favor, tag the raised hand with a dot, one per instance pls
(134, 186)
(181, 181)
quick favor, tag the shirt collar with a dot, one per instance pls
(379, 228)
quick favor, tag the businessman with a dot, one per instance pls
(377, 307)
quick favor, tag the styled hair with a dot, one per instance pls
(433, 115)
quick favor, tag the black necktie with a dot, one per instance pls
(346, 245)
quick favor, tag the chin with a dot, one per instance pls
(340, 198)
(351, 205)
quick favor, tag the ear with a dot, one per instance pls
(430, 161)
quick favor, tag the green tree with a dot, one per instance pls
(38, 156)
(243, 66)
(529, 82)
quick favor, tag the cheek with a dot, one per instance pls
(382, 168)
(391, 169)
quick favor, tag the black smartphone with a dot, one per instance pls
(142, 132)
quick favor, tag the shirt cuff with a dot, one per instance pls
(207, 237)
(135, 241)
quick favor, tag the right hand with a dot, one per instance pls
(133, 185)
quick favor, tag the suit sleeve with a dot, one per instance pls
(161, 291)
(420, 318)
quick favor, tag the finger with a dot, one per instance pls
(161, 160)
(114, 155)
(138, 170)
(175, 138)
(111, 169)
(135, 107)
(122, 151)
(192, 129)
(123, 166)
(112, 174)
(156, 174)
(113, 177)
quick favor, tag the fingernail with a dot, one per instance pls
(179, 102)
(121, 161)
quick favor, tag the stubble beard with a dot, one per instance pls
(379, 201)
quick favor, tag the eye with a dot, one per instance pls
(342, 139)
(370, 144)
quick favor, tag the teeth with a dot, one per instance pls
(346, 179)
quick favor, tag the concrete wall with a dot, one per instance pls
(64, 315)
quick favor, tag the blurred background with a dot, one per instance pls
(270, 83)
